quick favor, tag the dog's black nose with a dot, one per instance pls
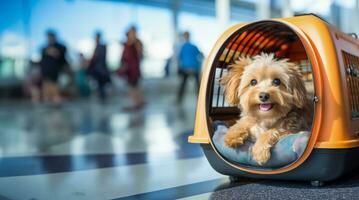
(263, 96)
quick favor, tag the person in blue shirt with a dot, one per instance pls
(189, 63)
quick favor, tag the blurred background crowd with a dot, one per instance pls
(55, 51)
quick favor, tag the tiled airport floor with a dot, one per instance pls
(87, 150)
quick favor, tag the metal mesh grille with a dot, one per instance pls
(351, 63)
(267, 37)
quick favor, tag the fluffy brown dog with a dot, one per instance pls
(273, 102)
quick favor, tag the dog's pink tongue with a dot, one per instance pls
(265, 106)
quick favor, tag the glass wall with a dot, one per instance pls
(24, 23)
(14, 41)
(76, 22)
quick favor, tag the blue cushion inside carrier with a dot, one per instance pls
(284, 152)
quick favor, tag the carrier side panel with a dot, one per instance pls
(335, 131)
(348, 57)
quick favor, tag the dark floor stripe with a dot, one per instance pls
(191, 189)
(4, 198)
(33, 165)
(182, 191)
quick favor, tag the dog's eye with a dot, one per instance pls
(253, 82)
(276, 82)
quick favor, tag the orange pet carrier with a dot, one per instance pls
(329, 61)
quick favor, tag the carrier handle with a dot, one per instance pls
(354, 35)
(315, 15)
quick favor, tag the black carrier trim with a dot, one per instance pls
(321, 165)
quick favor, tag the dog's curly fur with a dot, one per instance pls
(286, 111)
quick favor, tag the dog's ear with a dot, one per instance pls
(232, 80)
(297, 85)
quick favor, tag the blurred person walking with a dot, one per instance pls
(81, 78)
(32, 82)
(97, 67)
(53, 62)
(130, 68)
(189, 62)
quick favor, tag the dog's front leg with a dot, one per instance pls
(236, 135)
(261, 149)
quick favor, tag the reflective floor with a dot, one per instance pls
(87, 150)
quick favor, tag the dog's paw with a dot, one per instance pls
(261, 154)
(235, 138)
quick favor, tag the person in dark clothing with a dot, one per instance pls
(189, 59)
(97, 67)
(130, 67)
(52, 63)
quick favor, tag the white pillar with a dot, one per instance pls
(223, 12)
(263, 9)
(287, 10)
(175, 10)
